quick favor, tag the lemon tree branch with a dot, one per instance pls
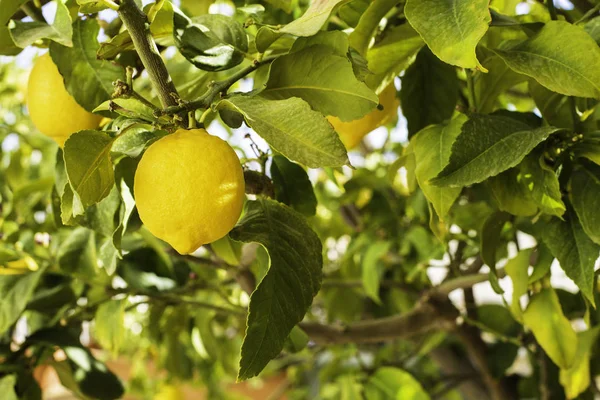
(217, 87)
(136, 23)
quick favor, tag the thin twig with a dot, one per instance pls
(552, 10)
(215, 88)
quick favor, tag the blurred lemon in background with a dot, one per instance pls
(352, 132)
(52, 109)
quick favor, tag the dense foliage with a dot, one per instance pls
(340, 269)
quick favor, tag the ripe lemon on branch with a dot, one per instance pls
(189, 189)
(52, 109)
(352, 132)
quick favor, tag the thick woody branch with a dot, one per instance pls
(136, 23)
(423, 318)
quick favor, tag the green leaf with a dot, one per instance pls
(491, 238)
(88, 165)
(511, 194)
(372, 268)
(130, 107)
(585, 196)
(542, 183)
(368, 23)
(292, 128)
(486, 146)
(15, 291)
(297, 340)
(592, 27)
(388, 383)
(77, 254)
(7, 387)
(324, 80)
(26, 33)
(87, 79)
(211, 42)
(498, 79)
(284, 295)
(517, 269)
(389, 57)
(102, 217)
(7, 9)
(429, 92)
(132, 141)
(452, 29)
(110, 324)
(335, 41)
(574, 250)
(292, 186)
(568, 66)
(313, 19)
(576, 379)
(551, 328)
(432, 151)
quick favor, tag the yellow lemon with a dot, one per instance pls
(169, 392)
(352, 132)
(18, 266)
(189, 189)
(51, 108)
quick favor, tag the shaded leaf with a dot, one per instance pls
(15, 291)
(429, 92)
(372, 268)
(393, 383)
(585, 196)
(292, 186)
(283, 296)
(517, 269)
(575, 251)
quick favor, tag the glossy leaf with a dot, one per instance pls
(452, 29)
(291, 128)
(552, 330)
(211, 42)
(324, 80)
(575, 251)
(88, 80)
(486, 146)
(294, 277)
(568, 66)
